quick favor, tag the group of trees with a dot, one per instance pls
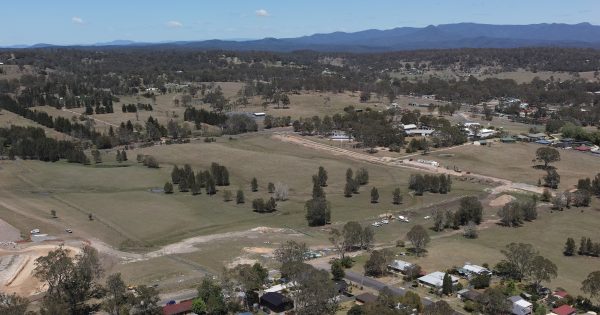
(578, 198)
(195, 182)
(314, 291)
(273, 122)
(73, 287)
(132, 108)
(515, 212)
(523, 262)
(469, 214)
(432, 183)
(259, 205)
(354, 181)
(32, 143)
(586, 248)
(352, 237)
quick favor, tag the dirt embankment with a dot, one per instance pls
(17, 265)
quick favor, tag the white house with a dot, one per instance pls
(339, 135)
(408, 127)
(400, 266)
(520, 306)
(471, 270)
(436, 279)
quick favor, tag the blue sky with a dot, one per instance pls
(83, 21)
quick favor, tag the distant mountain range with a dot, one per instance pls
(461, 35)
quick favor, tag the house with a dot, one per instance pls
(536, 136)
(560, 294)
(400, 266)
(520, 306)
(508, 140)
(183, 307)
(436, 279)
(564, 310)
(408, 127)
(366, 298)
(470, 270)
(339, 135)
(469, 295)
(543, 142)
(276, 302)
(583, 148)
(419, 132)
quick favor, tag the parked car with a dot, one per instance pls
(69, 231)
(385, 221)
(35, 231)
(171, 302)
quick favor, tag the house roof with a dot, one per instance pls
(560, 293)
(564, 310)
(181, 307)
(536, 135)
(583, 148)
(436, 278)
(400, 264)
(273, 298)
(520, 301)
(366, 298)
(471, 295)
(475, 268)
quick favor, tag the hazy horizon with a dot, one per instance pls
(72, 22)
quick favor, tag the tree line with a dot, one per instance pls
(31, 143)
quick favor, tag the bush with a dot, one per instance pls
(151, 162)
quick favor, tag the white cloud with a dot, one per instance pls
(262, 12)
(77, 20)
(174, 24)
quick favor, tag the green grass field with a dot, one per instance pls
(122, 200)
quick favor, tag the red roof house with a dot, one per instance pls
(181, 308)
(583, 148)
(564, 310)
(560, 294)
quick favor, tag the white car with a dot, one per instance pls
(35, 231)
(376, 224)
(427, 217)
(385, 221)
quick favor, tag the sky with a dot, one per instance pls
(92, 21)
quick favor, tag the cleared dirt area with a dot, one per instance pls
(17, 265)
(8, 233)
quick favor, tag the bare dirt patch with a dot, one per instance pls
(16, 269)
(501, 200)
(8, 233)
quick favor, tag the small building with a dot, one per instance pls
(181, 308)
(259, 114)
(436, 279)
(473, 270)
(520, 306)
(400, 266)
(560, 294)
(408, 127)
(508, 140)
(522, 138)
(365, 298)
(544, 142)
(276, 302)
(536, 136)
(564, 310)
(339, 135)
(583, 148)
(469, 295)
(419, 132)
